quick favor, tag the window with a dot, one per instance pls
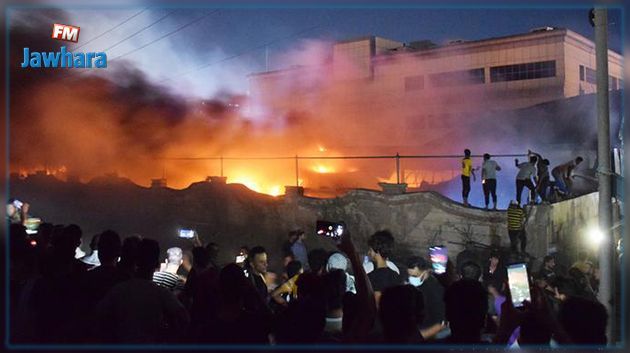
(591, 75)
(527, 71)
(581, 72)
(612, 83)
(456, 78)
(414, 83)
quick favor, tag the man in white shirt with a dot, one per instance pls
(489, 179)
(524, 178)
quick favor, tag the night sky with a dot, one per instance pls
(217, 52)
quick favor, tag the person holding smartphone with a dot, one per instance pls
(421, 277)
(17, 212)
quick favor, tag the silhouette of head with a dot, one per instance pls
(486, 156)
(401, 311)
(317, 259)
(381, 244)
(466, 303)
(584, 320)
(293, 268)
(467, 152)
(470, 270)
(148, 258)
(109, 246)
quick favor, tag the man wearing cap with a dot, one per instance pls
(337, 261)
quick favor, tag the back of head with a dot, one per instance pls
(467, 152)
(175, 256)
(293, 268)
(466, 303)
(470, 270)
(310, 285)
(401, 311)
(232, 283)
(317, 259)
(584, 320)
(65, 241)
(94, 242)
(129, 250)
(486, 156)
(109, 246)
(382, 242)
(213, 252)
(148, 256)
(335, 288)
(337, 261)
(201, 257)
(579, 160)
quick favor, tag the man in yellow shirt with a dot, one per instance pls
(467, 171)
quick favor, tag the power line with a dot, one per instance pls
(167, 34)
(139, 31)
(243, 53)
(111, 29)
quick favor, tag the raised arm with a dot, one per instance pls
(365, 295)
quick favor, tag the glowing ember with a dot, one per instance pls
(322, 169)
(321, 148)
(275, 190)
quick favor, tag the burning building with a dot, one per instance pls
(381, 96)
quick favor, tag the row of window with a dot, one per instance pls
(589, 75)
(527, 71)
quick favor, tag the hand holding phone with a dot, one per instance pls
(331, 230)
(439, 258)
(518, 282)
(187, 233)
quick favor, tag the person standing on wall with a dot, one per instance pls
(524, 178)
(563, 175)
(467, 171)
(489, 170)
(516, 226)
(542, 175)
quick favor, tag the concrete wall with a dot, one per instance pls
(232, 215)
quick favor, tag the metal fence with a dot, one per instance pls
(396, 160)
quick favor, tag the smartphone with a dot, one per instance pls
(186, 233)
(518, 280)
(18, 203)
(330, 229)
(32, 225)
(439, 258)
(240, 259)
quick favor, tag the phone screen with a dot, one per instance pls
(519, 284)
(439, 258)
(329, 229)
(186, 233)
(240, 259)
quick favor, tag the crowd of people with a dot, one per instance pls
(533, 174)
(140, 293)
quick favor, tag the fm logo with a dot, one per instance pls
(65, 32)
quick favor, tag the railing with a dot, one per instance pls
(397, 158)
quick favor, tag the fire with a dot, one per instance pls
(322, 169)
(257, 183)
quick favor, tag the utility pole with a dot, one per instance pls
(607, 271)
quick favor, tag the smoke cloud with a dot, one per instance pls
(123, 122)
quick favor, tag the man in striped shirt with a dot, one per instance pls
(167, 277)
(515, 223)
